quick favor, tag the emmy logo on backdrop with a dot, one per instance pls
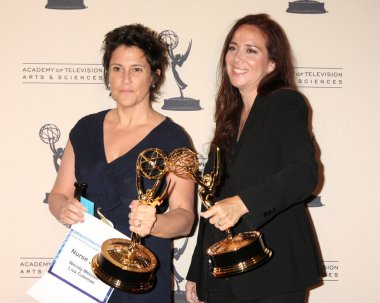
(306, 7)
(65, 4)
(178, 279)
(50, 134)
(180, 103)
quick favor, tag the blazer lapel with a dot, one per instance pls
(249, 124)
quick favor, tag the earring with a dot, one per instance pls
(109, 86)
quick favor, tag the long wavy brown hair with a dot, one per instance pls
(229, 103)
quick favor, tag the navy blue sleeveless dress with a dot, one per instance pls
(112, 186)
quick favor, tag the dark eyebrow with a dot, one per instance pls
(138, 65)
(133, 65)
(247, 45)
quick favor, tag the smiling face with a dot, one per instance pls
(247, 60)
(130, 76)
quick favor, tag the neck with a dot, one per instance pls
(247, 104)
(248, 98)
(130, 117)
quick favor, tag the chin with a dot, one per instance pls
(237, 84)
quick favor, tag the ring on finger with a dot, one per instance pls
(219, 223)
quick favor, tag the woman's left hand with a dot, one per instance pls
(226, 213)
(141, 218)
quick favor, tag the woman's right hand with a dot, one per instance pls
(225, 213)
(191, 292)
(142, 218)
(64, 207)
(70, 212)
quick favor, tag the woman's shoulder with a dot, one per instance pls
(285, 94)
(93, 117)
(88, 122)
(285, 97)
(175, 132)
(172, 127)
(286, 104)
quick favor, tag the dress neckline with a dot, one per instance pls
(130, 150)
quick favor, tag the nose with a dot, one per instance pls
(238, 56)
(126, 76)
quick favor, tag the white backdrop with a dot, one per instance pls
(51, 74)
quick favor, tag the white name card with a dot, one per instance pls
(70, 277)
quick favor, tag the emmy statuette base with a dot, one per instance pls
(222, 272)
(127, 269)
(136, 288)
(238, 254)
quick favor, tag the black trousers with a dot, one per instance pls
(225, 296)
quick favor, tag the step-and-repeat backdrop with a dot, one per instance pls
(51, 75)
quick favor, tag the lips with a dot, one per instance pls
(126, 91)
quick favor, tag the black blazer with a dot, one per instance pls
(273, 170)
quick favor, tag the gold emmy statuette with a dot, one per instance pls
(237, 253)
(127, 264)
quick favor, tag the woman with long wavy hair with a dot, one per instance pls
(269, 169)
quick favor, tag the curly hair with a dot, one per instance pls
(146, 39)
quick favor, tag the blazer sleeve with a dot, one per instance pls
(297, 175)
(195, 268)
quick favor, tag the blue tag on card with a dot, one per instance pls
(88, 204)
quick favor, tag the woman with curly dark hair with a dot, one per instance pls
(269, 170)
(103, 148)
